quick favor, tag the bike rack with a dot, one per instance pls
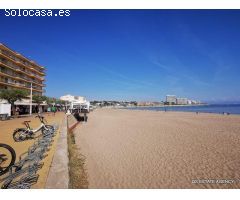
(25, 182)
(23, 174)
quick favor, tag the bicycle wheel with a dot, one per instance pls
(7, 158)
(49, 131)
(19, 135)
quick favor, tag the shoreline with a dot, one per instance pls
(169, 109)
(175, 111)
(162, 106)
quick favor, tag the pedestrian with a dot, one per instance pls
(17, 111)
(48, 110)
(53, 110)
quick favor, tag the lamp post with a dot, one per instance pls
(30, 111)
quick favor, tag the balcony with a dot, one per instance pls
(7, 63)
(7, 54)
(18, 70)
(19, 78)
(13, 83)
(22, 71)
(19, 85)
(22, 63)
(12, 66)
(4, 71)
(39, 77)
(32, 75)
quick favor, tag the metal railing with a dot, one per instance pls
(16, 59)
(18, 69)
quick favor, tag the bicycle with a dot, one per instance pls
(27, 133)
(7, 158)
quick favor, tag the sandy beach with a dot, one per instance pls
(149, 149)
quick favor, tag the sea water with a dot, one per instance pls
(211, 108)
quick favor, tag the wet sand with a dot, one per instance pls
(149, 149)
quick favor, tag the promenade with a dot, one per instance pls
(6, 131)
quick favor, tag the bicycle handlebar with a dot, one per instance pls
(40, 117)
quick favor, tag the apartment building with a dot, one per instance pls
(182, 101)
(171, 99)
(18, 72)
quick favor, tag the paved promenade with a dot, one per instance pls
(7, 128)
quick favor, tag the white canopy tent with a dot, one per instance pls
(76, 102)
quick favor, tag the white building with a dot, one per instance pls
(76, 102)
(189, 102)
(182, 101)
(171, 99)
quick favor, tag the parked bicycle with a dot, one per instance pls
(27, 133)
(7, 158)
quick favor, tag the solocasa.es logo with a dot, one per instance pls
(36, 13)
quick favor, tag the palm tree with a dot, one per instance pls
(11, 96)
(38, 100)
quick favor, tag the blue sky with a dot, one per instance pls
(133, 54)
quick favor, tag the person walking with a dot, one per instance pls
(54, 110)
(49, 110)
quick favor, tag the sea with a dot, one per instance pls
(209, 108)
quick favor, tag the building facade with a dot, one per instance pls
(71, 98)
(18, 72)
(76, 102)
(182, 101)
(171, 99)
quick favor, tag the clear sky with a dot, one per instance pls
(133, 54)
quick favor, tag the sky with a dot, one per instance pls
(140, 55)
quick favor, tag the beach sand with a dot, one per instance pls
(149, 149)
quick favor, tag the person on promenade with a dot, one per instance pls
(17, 111)
(77, 116)
(48, 110)
(54, 110)
(68, 112)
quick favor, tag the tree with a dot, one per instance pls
(38, 100)
(50, 100)
(61, 103)
(11, 96)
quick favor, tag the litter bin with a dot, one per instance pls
(4, 116)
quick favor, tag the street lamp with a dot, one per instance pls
(30, 111)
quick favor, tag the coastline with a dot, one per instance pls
(162, 106)
(144, 149)
(232, 109)
(182, 112)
